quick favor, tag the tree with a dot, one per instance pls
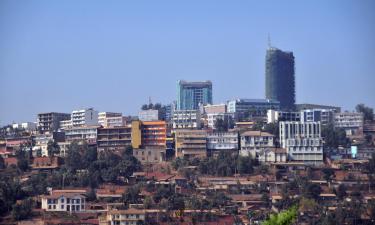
(286, 217)
(131, 195)
(53, 148)
(328, 175)
(22, 160)
(73, 159)
(333, 137)
(22, 210)
(368, 113)
(2, 163)
(341, 191)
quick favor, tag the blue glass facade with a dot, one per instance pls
(191, 94)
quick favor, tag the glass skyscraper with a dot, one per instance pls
(280, 77)
(191, 94)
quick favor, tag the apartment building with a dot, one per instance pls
(324, 116)
(113, 138)
(149, 133)
(186, 119)
(65, 124)
(49, 122)
(275, 116)
(222, 141)
(352, 122)
(85, 133)
(84, 117)
(253, 142)
(129, 216)
(41, 142)
(64, 201)
(190, 143)
(27, 126)
(302, 141)
(212, 117)
(104, 116)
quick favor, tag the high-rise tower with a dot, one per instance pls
(280, 81)
(191, 94)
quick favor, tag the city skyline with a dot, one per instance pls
(52, 58)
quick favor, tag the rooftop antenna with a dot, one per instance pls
(269, 40)
(149, 100)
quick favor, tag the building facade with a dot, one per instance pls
(186, 119)
(253, 142)
(130, 216)
(275, 116)
(86, 133)
(49, 122)
(191, 94)
(352, 122)
(222, 141)
(280, 80)
(149, 115)
(65, 201)
(149, 134)
(113, 138)
(302, 141)
(85, 117)
(244, 107)
(324, 116)
(104, 116)
(190, 143)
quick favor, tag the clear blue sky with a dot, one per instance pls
(113, 55)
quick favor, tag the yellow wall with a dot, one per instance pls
(136, 134)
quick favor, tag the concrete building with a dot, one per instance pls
(113, 138)
(131, 216)
(41, 142)
(244, 107)
(304, 106)
(280, 78)
(150, 154)
(149, 134)
(104, 116)
(324, 116)
(64, 201)
(275, 116)
(186, 119)
(49, 122)
(302, 141)
(149, 115)
(190, 143)
(273, 155)
(253, 142)
(217, 108)
(27, 126)
(86, 133)
(85, 117)
(212, 117)
(118, 121)
(191, 94)
(352, 122)
(65, 124)
(222, 141)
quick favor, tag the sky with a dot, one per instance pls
(115, 55)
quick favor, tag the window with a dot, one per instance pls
(62, 206)
(62, 200)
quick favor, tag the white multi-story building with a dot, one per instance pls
(186, 119)
(65, 124)
(86, 133)
(302, 141)
(218, 108)
(148, 115)
(325, 116)
(253, 142)
(84, 117)
(352, 122)
(118, 121)
(212, 117)
(103, 116)
(64, 200)
(28, 126)
(275, 116)
(130, 216)
(218, 141)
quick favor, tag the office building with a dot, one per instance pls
(218, 108)
(303, 106)
(65, 124)
(351, 122)
(243, 108)
(275, 116)
(86, 133)
(118, 121)
(228, 118)
(222, 141)
(49, 122)
(191, 94)
(253, 142)
(27, 126)
(302, 141)
(190, 143)
(104, 116)
(148, 115)
(113, 138)
(186, 119)
(149, 134)
(280, 80)
(324, 116)
(85, 117)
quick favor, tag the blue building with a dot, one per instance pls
(191, 94)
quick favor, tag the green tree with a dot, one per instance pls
(53, 148)
(2, 163)
(286, 217)
(73, 160)
(333, 137)
(22, 210)
(368, 113)
(328, 175)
